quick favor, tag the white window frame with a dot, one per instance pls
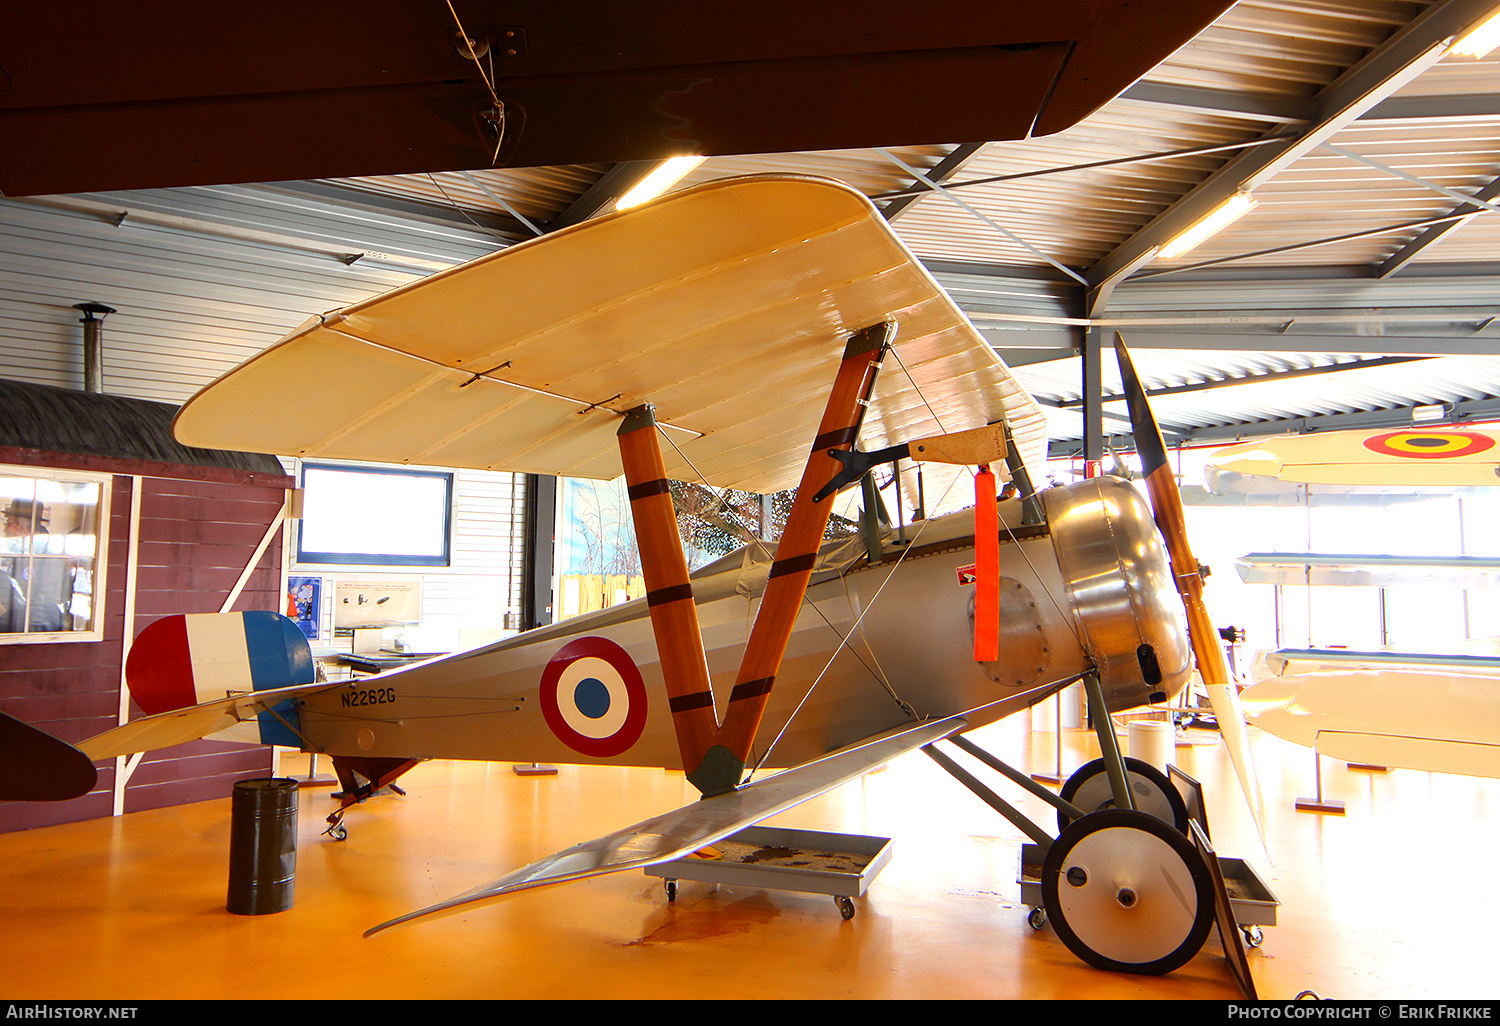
(99, 582)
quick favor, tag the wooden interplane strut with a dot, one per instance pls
(715, 754)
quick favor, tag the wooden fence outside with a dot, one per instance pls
(584, 593)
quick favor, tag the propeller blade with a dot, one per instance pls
(1166, 501)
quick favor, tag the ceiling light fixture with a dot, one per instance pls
(1481, 41)
(1226, 213)
(667, 174)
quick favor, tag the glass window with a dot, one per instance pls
(370, 516)
(49, 570)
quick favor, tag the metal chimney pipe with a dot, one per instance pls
(93, 344)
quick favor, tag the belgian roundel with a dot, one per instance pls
(1429, 445)
(593, 698)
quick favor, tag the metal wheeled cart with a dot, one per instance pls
(778, 858)
(1252, 902)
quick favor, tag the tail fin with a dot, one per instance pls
(182, 661)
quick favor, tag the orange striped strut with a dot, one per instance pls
(669, 596)
(798, 549)
(715, 756)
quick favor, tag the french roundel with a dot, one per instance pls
(593, 698)
(1429, 445)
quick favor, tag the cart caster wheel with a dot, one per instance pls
(671, 890)
(1036, 918)
(1127, 893)
(338, 832)
(1253, 936)
(846, 907)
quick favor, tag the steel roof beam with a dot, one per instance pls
(326, 193)
(1401, 416)
(1281, 110)
(1403, 57)
(1248, 342)
(1459, 412)
(1407, 253)
(614, 183)
(964, 205)
(942, 171)
(1422, 108)
(1256, 379)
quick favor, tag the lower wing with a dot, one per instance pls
(695, 826)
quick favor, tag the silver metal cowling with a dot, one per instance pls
(1119, 584)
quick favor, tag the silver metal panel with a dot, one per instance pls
(1116, 578)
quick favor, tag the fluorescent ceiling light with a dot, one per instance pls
(1225, 214)
(667, 174)
(1481, 41)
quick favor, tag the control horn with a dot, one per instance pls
(1166, 503)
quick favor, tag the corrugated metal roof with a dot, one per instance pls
(1012, 251)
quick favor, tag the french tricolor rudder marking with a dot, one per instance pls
(180, 661)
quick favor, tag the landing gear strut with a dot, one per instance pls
(1121, 884)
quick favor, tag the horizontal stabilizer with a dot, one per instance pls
(1367, 571)
(37, 767)
(182, 725)
(688, 829)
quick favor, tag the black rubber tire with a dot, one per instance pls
(1158, 851)
(1149, 786)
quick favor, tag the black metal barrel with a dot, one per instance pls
(262, 846)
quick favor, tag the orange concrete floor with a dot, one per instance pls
(1390, 900)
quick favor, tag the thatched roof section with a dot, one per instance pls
(107, 426)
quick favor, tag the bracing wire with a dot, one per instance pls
(489, 81)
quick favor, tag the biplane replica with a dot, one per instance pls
(759, 333)
(1410, 710)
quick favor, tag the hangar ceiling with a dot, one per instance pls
(1365, 282)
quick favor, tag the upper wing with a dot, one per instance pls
(688, 829)
(726, 306)
(1414, 457)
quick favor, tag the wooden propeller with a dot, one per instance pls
(1166, 502)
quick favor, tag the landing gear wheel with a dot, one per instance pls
(846, 906)
(1150, 790)
(1127, 893)
(671, 890)
(338, 832)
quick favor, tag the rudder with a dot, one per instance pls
(180, 661)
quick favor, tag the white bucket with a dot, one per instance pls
(1152, 741)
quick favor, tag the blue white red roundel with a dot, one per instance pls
(593, 697)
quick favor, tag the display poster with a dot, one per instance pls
(376, 602)
(304, 603)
